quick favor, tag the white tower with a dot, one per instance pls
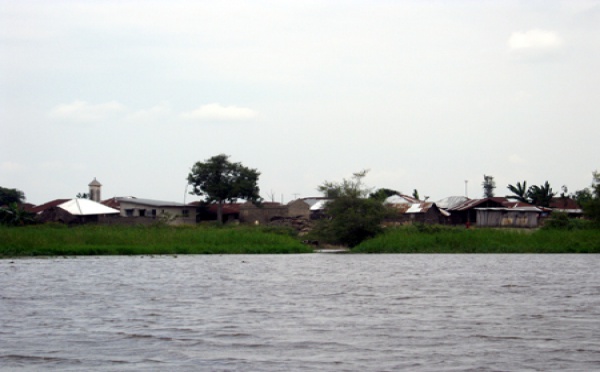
(95, 187)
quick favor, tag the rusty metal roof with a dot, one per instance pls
(495, 202)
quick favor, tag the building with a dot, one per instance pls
(411, 210)
(495, 212)
(148, 210)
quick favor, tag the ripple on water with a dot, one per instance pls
(301, 313)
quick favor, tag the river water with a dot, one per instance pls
(319, 312)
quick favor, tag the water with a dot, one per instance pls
(301, 313)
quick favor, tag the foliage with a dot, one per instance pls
(351, 220)
(583, 196)
(540, 195)
(15, 215)
(537, 195)
(351, 217)
(353, 188)
(591, 206)
(519, 192)
(83, 195)
(220, 181)
(561, 221)
(488, 186)
(415, 194)
(383, 193)
(50, 239)
(9, 196)
(459, 240)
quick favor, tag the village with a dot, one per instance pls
(299, 213)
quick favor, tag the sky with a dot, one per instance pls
(426, 95)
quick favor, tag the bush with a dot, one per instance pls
(350, 220)
(561, 221)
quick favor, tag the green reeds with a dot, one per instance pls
(50, 240)
(411, 239)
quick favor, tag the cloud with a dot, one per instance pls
(82, 111)
(215, 111)
(538, 40)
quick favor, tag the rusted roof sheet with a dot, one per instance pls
(564, 204)
(50, 204)
(416, 208)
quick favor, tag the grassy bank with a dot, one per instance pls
(460, 240)
(49, 240)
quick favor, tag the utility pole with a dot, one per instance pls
(467, 188)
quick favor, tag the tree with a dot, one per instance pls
(353, 187)
(488, 186)
(591, 206)
(220, 181)
(416, 194)
(519, 191)
(14, 215)
(383, 193)
(351, 216)
(540, 195)
(83, 195)
(583, 196)
(8, 196)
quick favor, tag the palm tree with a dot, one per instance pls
(520, 192)
(541, 195)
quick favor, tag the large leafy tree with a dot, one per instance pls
(220, 181)
(519, 192)
(351, 216)
(9, 196)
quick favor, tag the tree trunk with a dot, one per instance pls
(220, 212)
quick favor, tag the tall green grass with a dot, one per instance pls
(127, 240)
(439, 239)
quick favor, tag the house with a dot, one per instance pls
(73, 211)
(566, 205)
(412, 210)
(495, 212)
(147, 210)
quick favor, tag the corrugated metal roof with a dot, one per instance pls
(401, 199)
(499, 202)
(86, 207)
(451, 202)
(150, 202)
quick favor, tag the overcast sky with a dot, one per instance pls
(425, 94)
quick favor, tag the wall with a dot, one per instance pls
(490, 218)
